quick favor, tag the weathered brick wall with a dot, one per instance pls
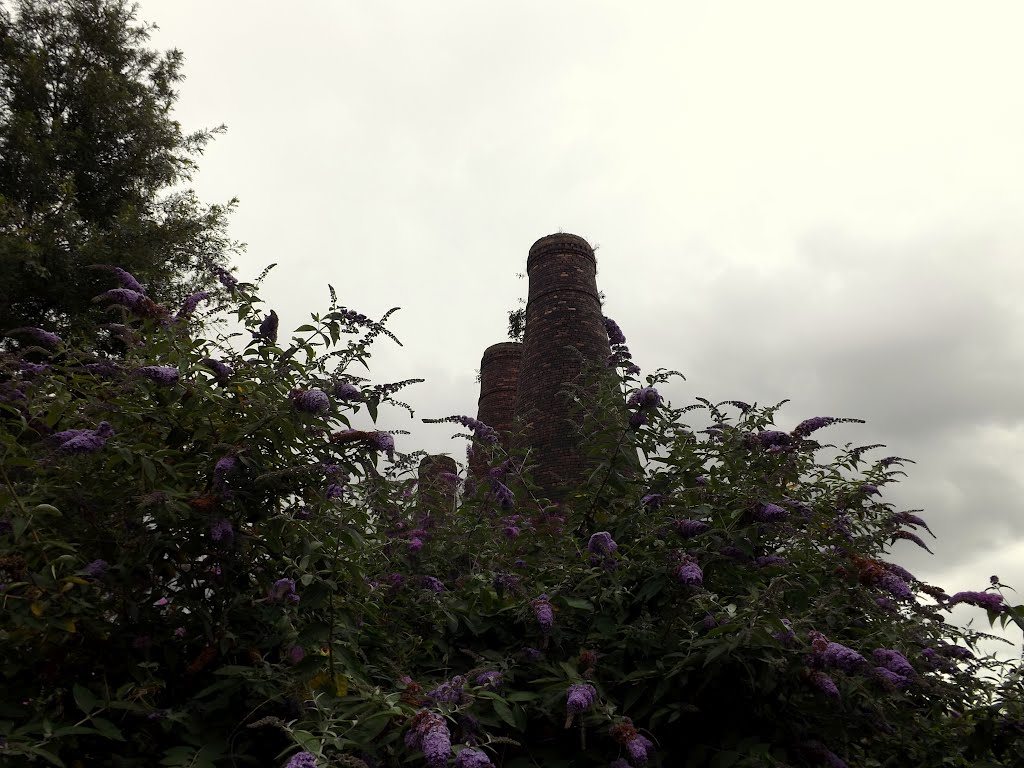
(564, 326)
(499, 377)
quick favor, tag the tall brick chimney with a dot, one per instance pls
(499, 377)
(564, 328)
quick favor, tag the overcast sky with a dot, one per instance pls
(813, 200)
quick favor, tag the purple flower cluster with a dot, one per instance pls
(96, 569)
(345, 391)
(602, 543)
(221, 531)
(224, 467)
(490, 680)
(645, 398)
(310, 400)
(38, 335)
(653, 500)
(823, 683)
(689, 573)
(268, 328)
(615, 334)
(640, 749)
(503, 494)
(807, 426)
(786, 636)
(480, 430)
(895, 586)
(126, 297)
(449, 692)
(506, 582)
(689, 528)
(774, 439)
(283, 589)
(384, 443)
(769, 561)
(544, 613)
(908, 536)
(226, 279)
(161, 374)
(770, 513)
(221, 371)
(433, 584)
(990, 601)
(471, 757)
(190, 304)
(84, 440)
(838, 656)
(430, 734)
(893, 661)
(579, 698)
(302, 760)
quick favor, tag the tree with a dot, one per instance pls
(91, 166)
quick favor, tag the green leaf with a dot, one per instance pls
(107, 728)
(503, 711)
(84, 698)
(576, 602)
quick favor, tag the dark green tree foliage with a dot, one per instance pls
(202, 564)
(91, 166)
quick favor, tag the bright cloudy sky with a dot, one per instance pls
(809, 200)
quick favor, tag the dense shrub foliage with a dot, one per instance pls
(206, 561)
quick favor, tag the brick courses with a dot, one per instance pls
(564, 329)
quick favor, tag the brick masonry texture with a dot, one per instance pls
(564, 328)
(499, 377)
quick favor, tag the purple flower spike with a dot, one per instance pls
(770, 513)
(302, 760)
(96, 569)
(346, 392)
(433, 584)
(127, 280)
(990, 601)
(690, 528)
(221, 371)
(615, 335)
(690, 574)
(838, 656)
(310, 400)
(579, 698)
(222, 531)
(473, 758)
(824, 684)
(124, 296)
(384, 443)
(640, 749)
(190, 304)
(894, 661)
(544, 613)
(226, 279)
(601, 543)
(38, 335)
(268, 328)
(911, 537)
(645, 398)
(490, 680)
(161, 374)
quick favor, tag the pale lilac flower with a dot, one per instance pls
(161, 374)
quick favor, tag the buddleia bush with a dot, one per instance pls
(207, 561)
